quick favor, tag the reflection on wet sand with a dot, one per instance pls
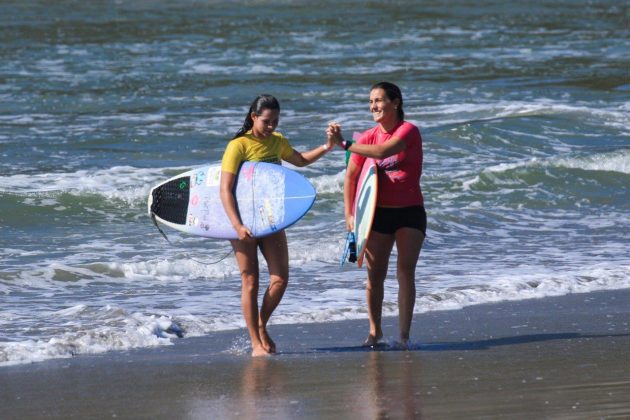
(263, 389)
(395, 391)
(369, 384)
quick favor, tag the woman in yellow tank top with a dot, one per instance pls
(257, 141)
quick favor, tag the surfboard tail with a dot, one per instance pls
(170, 200)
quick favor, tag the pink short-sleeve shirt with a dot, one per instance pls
(399, 174)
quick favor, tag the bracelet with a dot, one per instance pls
(325, 147)
(346, 144)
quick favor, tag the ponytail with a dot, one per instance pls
(261, 103)
(392, 92)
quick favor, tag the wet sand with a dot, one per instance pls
(564, 357)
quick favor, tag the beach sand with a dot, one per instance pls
(561, 357)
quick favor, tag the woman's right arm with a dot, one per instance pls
(349, 190)
(376, 151)
(229, 204)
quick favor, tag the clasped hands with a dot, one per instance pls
(333, 132)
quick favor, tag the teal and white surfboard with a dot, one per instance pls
(365, 206)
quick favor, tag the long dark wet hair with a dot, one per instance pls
(392, 92)
(261, 103)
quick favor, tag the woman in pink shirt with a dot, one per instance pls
(400, 217)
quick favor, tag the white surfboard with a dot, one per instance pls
(269, 198)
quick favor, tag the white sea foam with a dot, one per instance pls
(27, 119)
(95, 329)
(131, 331)
(54, 68)
(176, 270)
(617, 161)
(458, 113)
(196, 66)
(528, 283)
(123, 183)
(143, 117)
(126, 184)
(329, 184)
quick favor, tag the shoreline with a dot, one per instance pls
(552, 357)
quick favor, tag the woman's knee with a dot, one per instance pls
(249, 280)
(278, 281)
(405, 270)
(406, 266)
(375, 283)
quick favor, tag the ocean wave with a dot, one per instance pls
(126, 185)
(618, 161)
(329, 184)
(196, 66)
(531, 171)
(176, 269)
(219, 265)
(437, 116)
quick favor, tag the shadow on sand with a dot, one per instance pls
(468, 345)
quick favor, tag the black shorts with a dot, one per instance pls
(388, 220)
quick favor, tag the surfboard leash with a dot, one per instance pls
(159, 229)
(213, 262)
(169, 241)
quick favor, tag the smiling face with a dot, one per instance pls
(382, 108)
(265, 123)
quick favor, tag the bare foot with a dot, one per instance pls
(266, 340)
(403, 344)
(259, 351)
(372, 340)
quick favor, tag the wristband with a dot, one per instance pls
(346, 144)
(325, 147)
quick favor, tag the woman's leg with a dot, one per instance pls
(276, 252)
(246, 252)
(408, 243)
(379, 248)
